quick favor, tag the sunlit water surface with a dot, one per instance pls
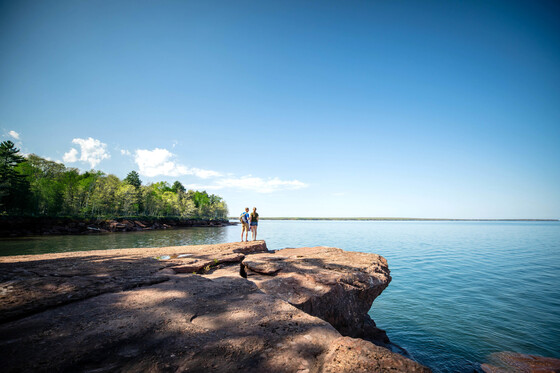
(460, 290)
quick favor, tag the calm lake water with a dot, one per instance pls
(460, 290)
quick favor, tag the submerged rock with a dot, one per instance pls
(132, 310)
(502, 362)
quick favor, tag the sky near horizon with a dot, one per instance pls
(441, 109)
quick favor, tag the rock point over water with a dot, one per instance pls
(201, 308)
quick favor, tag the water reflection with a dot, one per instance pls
(159, 238)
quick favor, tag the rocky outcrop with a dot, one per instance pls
(512, 362)
(335, 285)
(26, 226)
(135, 310)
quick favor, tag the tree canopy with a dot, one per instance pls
(37, 186)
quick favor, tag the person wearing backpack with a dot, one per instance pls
(244, 219)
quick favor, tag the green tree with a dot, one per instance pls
(37, 185)
(133, 179)
(14, 188)
(200, 199)
(87, 184)
(104, 195)
(152, 200)
(186, 208)
(178, 187)
(217, 208)
(47, 185)
(127, 198)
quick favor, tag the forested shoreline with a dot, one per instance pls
(32, 186)
(18, 226)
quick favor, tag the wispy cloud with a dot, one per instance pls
(91, 151)
(158, 162)
(260, 185)
(125, 152)
(14, 134)
(204, 186)
(253, 183)
(203, 174)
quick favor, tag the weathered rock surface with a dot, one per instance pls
(335, 285)
(502, 362)
(33, 283)
(349, 355)
(129, 310)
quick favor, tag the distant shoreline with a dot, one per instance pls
(403, 219)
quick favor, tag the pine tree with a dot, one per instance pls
(133, 179)
(14, 188)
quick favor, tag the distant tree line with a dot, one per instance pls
(36, 186)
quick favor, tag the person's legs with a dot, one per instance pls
(246, 232)
(254, 232)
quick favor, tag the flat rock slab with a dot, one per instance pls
(337, 286)
(147, 316)
(33, 283)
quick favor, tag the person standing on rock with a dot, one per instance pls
(254, 223)
(244, 218)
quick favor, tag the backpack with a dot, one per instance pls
(241, 218)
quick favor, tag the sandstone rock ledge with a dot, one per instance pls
(204, 308)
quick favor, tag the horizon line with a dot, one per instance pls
(401, 219)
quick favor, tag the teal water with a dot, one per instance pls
(460, 290)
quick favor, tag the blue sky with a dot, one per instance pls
(444, 109)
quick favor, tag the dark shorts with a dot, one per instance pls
(254, 223)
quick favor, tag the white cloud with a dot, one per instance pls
(14, 134)
(204, 187)
(260, 185)
(157, 162)
(255, 184)
(203, 174)
(70, 156)
(125, 152)
(91, 151)
(160, 162)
